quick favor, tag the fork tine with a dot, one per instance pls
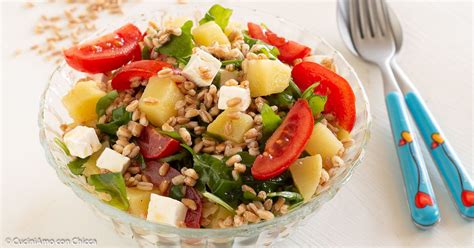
(382, 14)
(354, 20)
(374, 22)
(364, 18)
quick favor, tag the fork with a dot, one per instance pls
(374, 42)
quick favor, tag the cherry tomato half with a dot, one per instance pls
(155, 145)
(143, 69)
(341, 98)
(289, 50)
(106, 53)
(286, 144)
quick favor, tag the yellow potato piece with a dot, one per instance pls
(158, 100)
(343, 134)
(323, 142)
(208, 33)
(231, 129)
(91, 164)
(266, 76)
(306, 173)
(138, 200)
(81, 101)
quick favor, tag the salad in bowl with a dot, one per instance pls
(207, 124)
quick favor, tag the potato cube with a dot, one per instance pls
(229, 128)
(323, 142)
(306, 173)
(80, 102)
(266, 76)
(208, 33)
(158, 100)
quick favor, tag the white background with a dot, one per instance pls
(369, 211)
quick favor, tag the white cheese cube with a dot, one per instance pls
(82, 141)
(113, 161)
(165, 210)
(228, 92)
(202, 60)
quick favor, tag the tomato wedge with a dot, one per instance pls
(107, 52)
(155, 145)
(341, 98)
(193, 217)
(289, 50)
(286, 144)
(143, 69)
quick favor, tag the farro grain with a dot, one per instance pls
(118, 148)
(145, 186)
(262, 195)
(238, 220)
(189, 181)
(337, 161)
(164, 186)
(134, 170)
(132, 106)
(189, 203)
(278, 204)
(191, 173)
(134, 152)
(324, 177)
(268, 204)
(178, 180)
(185, 135)
(234, 102)
(128, 149)
(235, 175)
(265, 215)
(240, 209)
(164, 169)
(249, 189)
(234, 159)
(191, 113)
(251, 217)
(240, 168)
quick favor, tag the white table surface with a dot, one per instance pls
(369, 211)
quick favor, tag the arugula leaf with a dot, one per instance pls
(141, 161)
(172, 134)
(249, 40)
(219, 201)
(249, 196)
(269, 185)
(270, 51)
(181, 46)
(292, 197)
(316, 102)
(119, 117)
(218, 14)
(104, 102)
(247, 159)
(216, 176)
(146, 52)
(235, 62)
(112, 184)
(270, 120)
(176, 192)
(77, 165)
(63, 146)
(174, 157)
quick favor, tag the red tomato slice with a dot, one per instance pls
(143, 69)
(152, 173)
(256, 32)
(341, 98)
(193, 217)
(106, 53)
(289, 50)
(154, 145)
(286, 144)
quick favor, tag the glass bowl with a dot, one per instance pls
(52, 114)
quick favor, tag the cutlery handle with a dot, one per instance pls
(421, 198)
(450, 167)
(457, 179)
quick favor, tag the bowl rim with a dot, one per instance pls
(124, 217)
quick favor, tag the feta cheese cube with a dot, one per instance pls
(165, 210)
(228, 92)
(199, 61)
(82, 141)
(113, 161)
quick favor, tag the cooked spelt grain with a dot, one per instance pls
(145, 186)
(165, 167)
(178, 180)
(185, 135)
(189, 203)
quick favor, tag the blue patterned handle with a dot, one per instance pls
(421, 198)
(458, 181)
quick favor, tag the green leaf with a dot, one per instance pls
(316, 102)
(77, 165)
(270, 51)
(112, 184)
(104, 102)
(218, 14)
(290, 196)
(249, 40)
(216, 176)
(181, 46)
(294, 89)
(236, 62)
(176, 192)
(249, 196)
(247, 159)
(63, 146)
(215, 199)
(172, 134)
(270, 120)
(119, 117)
(141, 161)
(174, 157)
(146, 52)
(270, 185)
(286, 98)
